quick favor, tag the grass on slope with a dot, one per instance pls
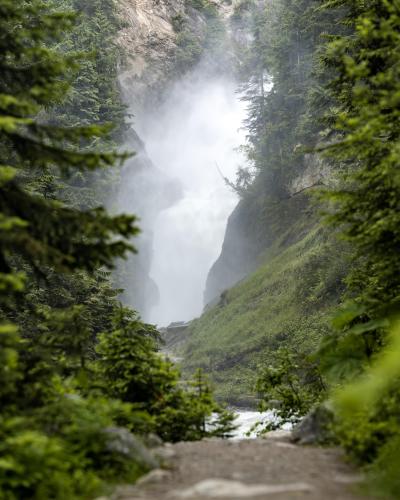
(286, 302)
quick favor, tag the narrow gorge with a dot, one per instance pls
(222, 252)
(190, 125)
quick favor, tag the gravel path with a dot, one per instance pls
(236, 470)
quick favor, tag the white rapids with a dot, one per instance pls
(247, 423)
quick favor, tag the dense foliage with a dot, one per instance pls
(365, 206)
(78, 371)
(292, 382)
(325, 76)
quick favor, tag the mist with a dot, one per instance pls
(193, 139)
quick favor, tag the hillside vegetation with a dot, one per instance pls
(313, 323)
(82, 382)
(286, 302)
(315, 317)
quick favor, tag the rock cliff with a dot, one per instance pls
(148, 41)
(255, 225)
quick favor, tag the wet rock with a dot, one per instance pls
(348, 478)
(315, 427)
(119, 440)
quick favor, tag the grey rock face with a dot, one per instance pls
(239, 252)
(149, 42)
(317, 173)
(174, 335)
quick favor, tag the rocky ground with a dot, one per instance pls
(257, 469)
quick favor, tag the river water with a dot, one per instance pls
(246, 420)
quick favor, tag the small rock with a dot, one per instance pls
(238, 476)
(283, 444)
(223, 488)
(120, 440)
(165, 452)
(314, 428)
(348, 478)
(155, 476)
(153, 441)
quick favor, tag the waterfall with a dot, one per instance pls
(193, 138)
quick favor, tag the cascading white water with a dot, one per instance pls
(193, 137)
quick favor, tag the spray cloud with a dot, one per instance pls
(196, 130)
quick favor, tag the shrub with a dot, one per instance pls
(36, 466)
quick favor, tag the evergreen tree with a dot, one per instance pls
(46, 232)
(60, 316)
(365, 206)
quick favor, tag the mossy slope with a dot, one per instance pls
(286, 301)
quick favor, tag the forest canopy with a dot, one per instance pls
(79, 370)
(335, 94)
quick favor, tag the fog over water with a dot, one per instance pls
(195, 131)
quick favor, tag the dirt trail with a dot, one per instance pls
(248, 469)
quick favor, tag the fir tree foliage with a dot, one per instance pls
(277, 75)
(324, 76)
(366, 207)
(61, 321)
(47, 232)
(364, 145)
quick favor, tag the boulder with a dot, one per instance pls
(120, 441)
(224, 488)
(315, 428)
(153, 441)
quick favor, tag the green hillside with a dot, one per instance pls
(286, 302)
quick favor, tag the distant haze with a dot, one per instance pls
(196, 129)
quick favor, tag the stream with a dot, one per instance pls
(246, 419)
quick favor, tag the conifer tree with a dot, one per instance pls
(365, 146)
(365, 206)
(46, 232)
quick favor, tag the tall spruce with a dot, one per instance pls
(365, 147)
(47, 232)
